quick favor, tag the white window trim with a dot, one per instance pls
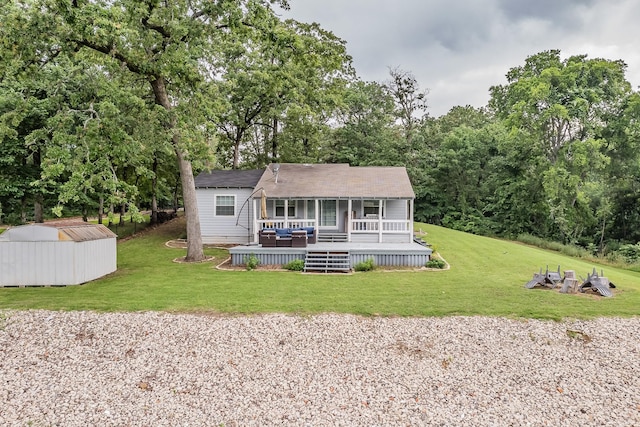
(319, 214)
(215, 205)
(380, 201)
(290, 204)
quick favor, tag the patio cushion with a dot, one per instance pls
(283, 232)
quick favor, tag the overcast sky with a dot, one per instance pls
(457, 49)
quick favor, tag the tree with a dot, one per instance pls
(173, 46)
(287, 83)
(410, 100)
(365, 132)
(76, 120)
(564, 106)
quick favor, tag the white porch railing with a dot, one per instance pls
(285, 223)
(373, 225)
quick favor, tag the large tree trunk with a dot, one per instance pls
(38, 211)
(38, 204)
(101, 209)
(154, 190)
(274, 141)
(194, 236)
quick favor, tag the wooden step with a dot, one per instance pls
(327, 261)
(332, 237)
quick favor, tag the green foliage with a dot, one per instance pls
(251, 262)
(630, 253)
(566, 249)
(435, 263)
(97, 99)
(295, 265)
(367, 265)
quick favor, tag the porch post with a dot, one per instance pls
(411, 204)
(348, 224)
(286, 213)
(380, 221)
(255, 221)
(317, 218)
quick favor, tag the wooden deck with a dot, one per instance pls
(388, 254)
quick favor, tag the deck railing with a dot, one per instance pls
(288, 223)
(357, 225)
(373, 225)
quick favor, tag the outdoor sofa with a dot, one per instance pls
(287, 237)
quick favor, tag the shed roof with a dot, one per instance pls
(62, 231)
(229, 178)
(339, 181)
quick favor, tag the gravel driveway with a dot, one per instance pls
(158, 369)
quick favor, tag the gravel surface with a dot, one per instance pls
(143, 369)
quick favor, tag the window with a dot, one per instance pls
(291, 209)
(370, 208)
(311, 209)
(225, 205)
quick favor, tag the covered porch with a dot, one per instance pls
(360, 220)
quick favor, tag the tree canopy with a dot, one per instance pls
(114, 104)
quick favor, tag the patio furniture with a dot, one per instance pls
(283, 236)
(267, 238)
(598, 284)
(311, 234)
(549, 279)
(538, 279)
(553, 277)
(570, 283)
(284, 242)
(299, 238)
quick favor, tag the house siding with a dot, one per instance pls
(396, 209)
(225, 229)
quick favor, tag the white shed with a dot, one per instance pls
(56, 254)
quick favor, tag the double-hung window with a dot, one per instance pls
(225, 205)
(291, 209)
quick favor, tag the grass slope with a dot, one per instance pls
(487, 277)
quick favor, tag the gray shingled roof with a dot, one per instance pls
(229, 178)
(336, 181)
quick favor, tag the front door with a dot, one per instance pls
(328, 214)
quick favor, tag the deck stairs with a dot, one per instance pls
(327, 261)
(329, 237)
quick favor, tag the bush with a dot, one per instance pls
(251, 262)
(569, 250)
(295, 265)
(367, 265)
(435, 263)
(630, 253)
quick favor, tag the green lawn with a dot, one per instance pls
(487, 277)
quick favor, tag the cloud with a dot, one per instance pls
(458, 48)
(558, 12)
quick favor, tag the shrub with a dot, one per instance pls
(435, 263)
(295, 265)
(251, 262)
(569, 250)
(630, 253)
(367, 265)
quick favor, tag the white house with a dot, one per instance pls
(330, 215)
(366, 204)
